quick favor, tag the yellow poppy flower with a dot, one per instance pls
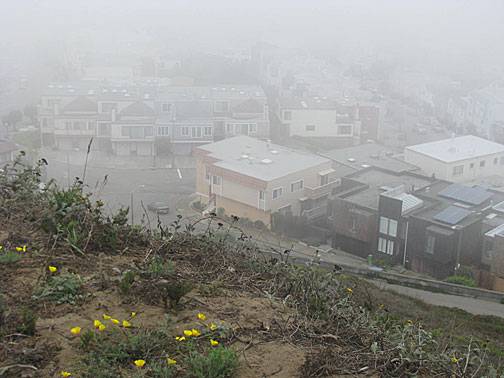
(139, 363)
(349, 290)
(212, 326)
(21, 249)
(65, 374)
(115, 321)
(75, 330)
(102, 327)
(126, 324)
(188, 332)
(214, 342)
(201, 316)
(106, 317)
(97, 323)
(133, 314)
(52, 269)
(180, 338)
(171, 361)
(195, 332)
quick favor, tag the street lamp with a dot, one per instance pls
(131, 200)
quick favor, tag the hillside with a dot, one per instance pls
(85, 294)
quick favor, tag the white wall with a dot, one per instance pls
(323, 120)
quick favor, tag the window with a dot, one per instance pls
(324, 180)
(230, 128)
(148, 131)
(107, 107)
(262, 196)
(429, 245)
(103, 129)
(91, 125)
(184, 131)
(196, 132)
(79, 125)
(68, 125)
(345, 130)
(386, 246)
(471, 165)
(458, 170)
(496, 160)
(164, 131)
(277, 192)
(482, 163)
(221, 107)
(310, 127)
(252, 128)
(388, 226)
(287, 115)
(207, 131)
(296, 186)
(216, 180)
(165, 107)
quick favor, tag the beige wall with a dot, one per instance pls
(323, 120)
(243, 211)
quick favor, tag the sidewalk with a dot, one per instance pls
(100, 159)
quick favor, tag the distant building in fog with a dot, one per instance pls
(7, 151)
(458, 159)
(253, 179)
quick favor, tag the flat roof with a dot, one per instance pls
(260, 159)
(459, 148)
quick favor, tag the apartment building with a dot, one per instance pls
(149, 118)
(253, 179)
(458, 159)
(323, 118)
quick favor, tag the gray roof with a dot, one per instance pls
(138, 109)
(259, 159)
(370, 154)
(186, 110)
(81, 104)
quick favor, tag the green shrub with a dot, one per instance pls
(9, 257)
(127, 280)
(461, 280)
(28, 322)
(159, 267)
(65, 288)
(176, 290)
(218, 363)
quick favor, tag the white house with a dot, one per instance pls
(458, 159)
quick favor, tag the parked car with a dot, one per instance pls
(159, 207)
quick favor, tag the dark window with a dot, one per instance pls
(482, 163)
(310, 127)
(166, 107)
(287, 115)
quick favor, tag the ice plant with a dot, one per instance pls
(212, 326)
(188, 332)
(52, 269)
(139, 363)
(214, 342)
(201, 316)
(171, 361)
(75, 330)
(115, 321)
(195, 332)
(21, 249)
(180, 338)
(66, 374)
(97, 323)
(106, 317)
(101, 327)
(126, 324)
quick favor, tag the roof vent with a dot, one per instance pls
(274, 152)
(126, 95)
(304, 105)
(351, 160)
(114, 90)
(71, 90)
(266, 161)
(124, 91)
(244, 156)
(146, 96)
(365, 166)
(242, 93)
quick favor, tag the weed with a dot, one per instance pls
(159, 369)
(9, 257)
(160, 268)
(126, 282)
(218, 363)
(87, 339)
(176, 290)
(28, 322)
(461, 280)
(65, 288)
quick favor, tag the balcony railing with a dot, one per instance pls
(316, 212)
(322, 190)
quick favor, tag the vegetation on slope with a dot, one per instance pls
(90, 296)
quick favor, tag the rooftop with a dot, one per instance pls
(370, 154)
(259, 159)
(459, 148)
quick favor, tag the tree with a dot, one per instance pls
(13, 118)
(30, 111)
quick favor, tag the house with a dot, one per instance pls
(458, 159)
(254, 179)
(492, 258)
(7, 151)
(323, 118)
(367, 212)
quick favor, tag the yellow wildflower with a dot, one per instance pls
(201, 316)
(214, 342)
(97, 323)
(52, 269)
(101, 327)
(188, 332)
(106, 317)
(212, 326)
(409, 322)
(115, 321)
(349, 290)
(180, 338)
(65, 374)
(171, 361)
(75, 330)
(126, 324)
(21, 249)
(454, 360)
(133, 314)
(195, 332)
(139, 363)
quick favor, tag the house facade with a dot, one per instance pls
(254, 179)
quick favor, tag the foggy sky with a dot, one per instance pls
(439, 33)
